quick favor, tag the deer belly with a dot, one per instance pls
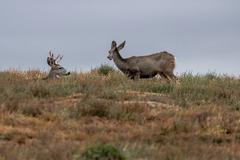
(149, 75)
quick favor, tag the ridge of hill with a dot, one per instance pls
(197, 118)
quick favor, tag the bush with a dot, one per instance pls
(11, 104)
(102, 152)
(30, 110)
(90, 107)
(105, 69)
(40, 91)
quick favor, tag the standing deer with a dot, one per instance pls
(162, 63)
(57, 70)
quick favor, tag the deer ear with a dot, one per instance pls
(121, 46)
(49, 61)
(114, 44)
(51, 54)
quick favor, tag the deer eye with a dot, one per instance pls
(60, 68)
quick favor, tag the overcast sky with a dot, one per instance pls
(203, 35)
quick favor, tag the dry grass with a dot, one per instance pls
(146, 119)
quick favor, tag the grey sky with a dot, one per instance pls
(203, 35)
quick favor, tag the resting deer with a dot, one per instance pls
(57, 70)
(162, 63)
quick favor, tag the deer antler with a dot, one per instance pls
(58, 59)
(53, 61)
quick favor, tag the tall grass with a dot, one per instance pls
(197, 118)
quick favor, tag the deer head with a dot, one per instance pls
(115, 49)
(57, 70)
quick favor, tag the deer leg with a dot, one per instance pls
(165, 76)
(171, 75)
(129, 74)
(133, 74)
(136, 76)
(168, 78)
(162, 75)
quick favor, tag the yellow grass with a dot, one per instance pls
(146, 119)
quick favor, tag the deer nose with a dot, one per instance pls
(110, 58)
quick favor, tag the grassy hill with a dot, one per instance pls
(100, 114)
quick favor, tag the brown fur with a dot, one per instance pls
(148, 66)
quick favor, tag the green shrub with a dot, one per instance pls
(102, 152)
(128, 112)
(90, 107)
(40, 91)
(6, 137)
(105, 69)
(166, 88)
(11, 104)
(109, 93)
(30, 110)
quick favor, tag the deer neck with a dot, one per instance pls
(52, 74)
(119, 61)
